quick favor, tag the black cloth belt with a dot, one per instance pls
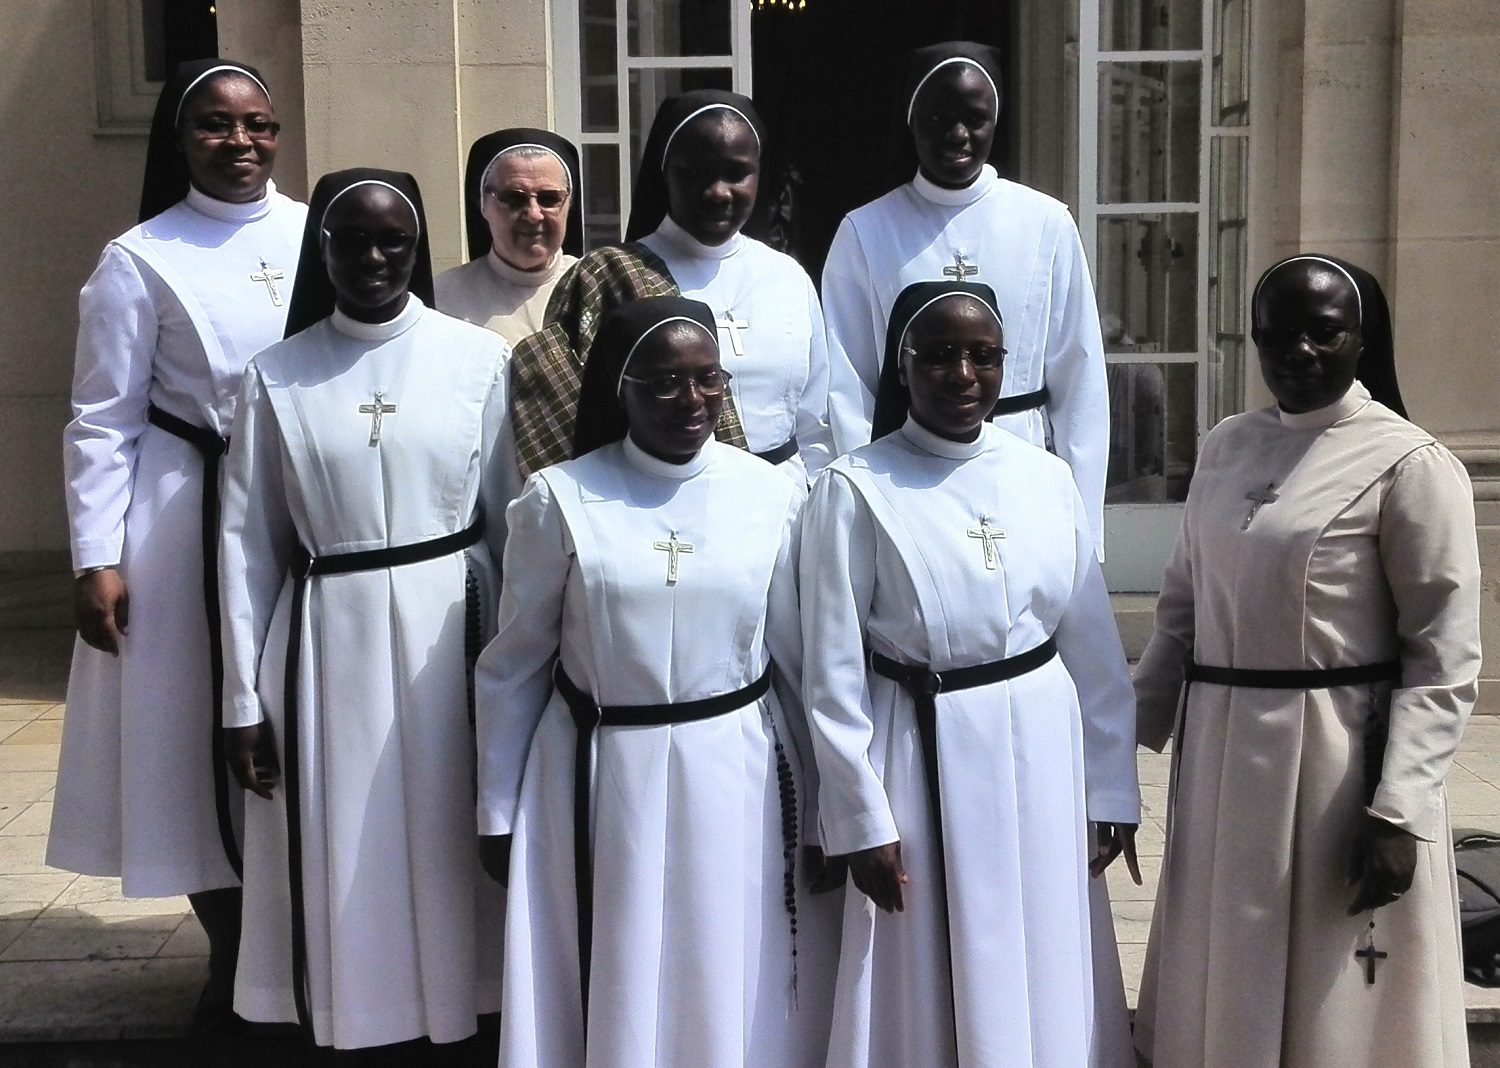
(781, 453)
(1021, 402)
(924, 685)
(212, 448)
(1297, 679)
(588, 716)
(305, 566)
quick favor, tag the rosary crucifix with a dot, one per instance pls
(377, 412)
(674, 549)
(961, 270)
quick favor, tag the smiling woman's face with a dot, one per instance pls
(952, 365)
(369, 246)
(713, 176)
(228, 134)
(1307, 335)
(672, 428)
(953, 124)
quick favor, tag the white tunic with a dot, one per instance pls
(890, 560)
(170, 317)
(403, 930)
(771, 338)
(489, 292)
(1027, 249)
(692, 961)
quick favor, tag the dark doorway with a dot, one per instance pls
(175, 31)
(827, 75)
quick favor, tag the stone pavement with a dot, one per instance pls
(80, 963)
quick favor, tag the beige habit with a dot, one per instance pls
(489, 292)
(1366, 554)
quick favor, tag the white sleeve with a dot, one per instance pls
(112, 369)
(784, 643)
(1431, 560)
(513, 678)
(855, 329)
(1089, 643)
(256, 541)
(838, 587)
(1160, 675)
(814, 436)
(499, 477)
(1075, 377)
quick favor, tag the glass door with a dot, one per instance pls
(614, 61)
(1163, 140)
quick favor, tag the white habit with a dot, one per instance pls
(489, 292)
(176, 308)
(771, 338)
(692, 962)
(403, 929)
(1364, 554)
(891, 558)
(1025, 247)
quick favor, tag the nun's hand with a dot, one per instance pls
(101, 607)
(494, 856)
(825, 874)
(1110, 840)
(879, 875)
(251, 752)
(1384, 863)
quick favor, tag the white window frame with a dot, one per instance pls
(568, 87)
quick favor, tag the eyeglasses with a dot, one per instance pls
(945, 358)
(222, 128)
(354, 242)
(1320, 334)
(669, 387)
(517, 200)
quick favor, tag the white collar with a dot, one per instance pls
(528, 279)
(647, 464)
(676, 237)
(986, 180)
(1321, 418)
(404, 321)
(938, 445)
(224, 211)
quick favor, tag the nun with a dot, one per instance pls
(640, 733)
(362, 526)
(524, 217)
(697, 187)
(954, 217)
(971, 716)
(1315, 658)
(175, 309)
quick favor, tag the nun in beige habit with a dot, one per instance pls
(1315, 658)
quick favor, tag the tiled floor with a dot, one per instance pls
(78, 961)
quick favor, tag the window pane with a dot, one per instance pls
(1152, 432)
(1148, 282)
(1231, 63)
(648, 88)
(601, 200)
(1227, 313)
(678, 27)
(597, 66)
(1139, 25)
(1148, 132)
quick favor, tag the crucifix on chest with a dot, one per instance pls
(989, 535)
(377, 413)
(674, 549)
(1261, 497)
(270, 276)
(961, 270)
(734, 326)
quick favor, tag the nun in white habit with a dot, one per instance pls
(171, 315)
(697, 188)
(362, 519)
(971, 714)
(640, 733)
(956, 218)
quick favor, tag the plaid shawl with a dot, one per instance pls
(545, 367)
